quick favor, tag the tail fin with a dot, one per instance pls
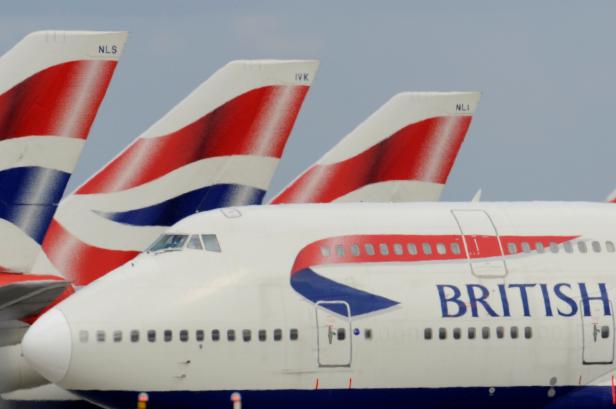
(403, 152)
(612, 197)
(218, 147)
(51, 86)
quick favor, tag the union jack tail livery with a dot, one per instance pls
(51, 86)
(218, 147)
(403, 152)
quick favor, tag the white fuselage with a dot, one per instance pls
(444, 303)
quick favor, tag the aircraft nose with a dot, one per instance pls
(47, 345)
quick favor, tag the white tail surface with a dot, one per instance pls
(51, 86)
(218, 147)
(402, 152)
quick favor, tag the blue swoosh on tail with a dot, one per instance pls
(170, 211)
(29, 197)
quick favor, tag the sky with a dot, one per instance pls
(542, 131)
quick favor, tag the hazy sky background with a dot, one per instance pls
(543, 130)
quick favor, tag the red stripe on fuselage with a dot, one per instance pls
(80, 262)
(61, 100)
(312, 255)
(405, 155)
(234, 128)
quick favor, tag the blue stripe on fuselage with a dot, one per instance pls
(528, 397)
(318, 288)
(170, 211)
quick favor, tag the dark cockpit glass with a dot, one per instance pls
(169, 242)
(172, 242)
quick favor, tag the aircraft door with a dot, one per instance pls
(598, 335)
(333, 333)
(482, 243)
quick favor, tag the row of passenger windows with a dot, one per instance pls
(568, 247)
(208, 242)
(485, 333)
(184, 335)
(397, 249)
(427, 249)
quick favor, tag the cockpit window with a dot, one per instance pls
(169, 242)
(194, 243)
(211, 242)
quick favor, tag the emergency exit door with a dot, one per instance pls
(598, 334)
(333, 333)
(483, 246)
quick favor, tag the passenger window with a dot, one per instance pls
(117, 336)
(194, 243)
(568, 247)
(427, 249)
(512, 248)
(355, 250)
(428, 333)
(554, 247)
(471, 333)
(500, 332)
(277, 334)
(199, 335)
(384, 250)
(609, 246)
(231, 335)
(457, 333)
(368, 333)
(134, 336)
(210, 242)
(293, 334)
(184, 335)
(100, 336)
(341, 334)
(596, 246)
(83, 336)
(325, 252)
(528, 332)
(605, 331)
(582, 247)
(398, 251)
(440, 248)
(455, 248)
(412, 249)
(514, 332)
(539, 247)
(151, 335)
(525, 247)
(442, 333)
(168, 335)
(246, 335)
(485, 332)
(369, 249)
(262, 335)
(215, 335)
(340, 250)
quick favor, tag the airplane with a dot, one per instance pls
(403, 152)
(52, 84)
(350, 305)
(220, 146)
